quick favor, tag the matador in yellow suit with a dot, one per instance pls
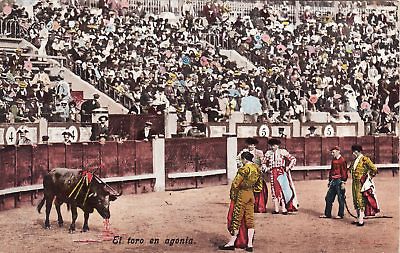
(247, 180)
(364, 196)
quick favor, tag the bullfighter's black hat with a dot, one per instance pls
(356, 147)
(66, 132)
(247, 155)
(251, 141)
(103, 117)
(274, 142)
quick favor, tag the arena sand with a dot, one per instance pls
(195, 221)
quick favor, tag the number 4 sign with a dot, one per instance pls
(11, 136)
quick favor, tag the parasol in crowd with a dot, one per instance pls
(365, 105)
(204, 61)
(28, 65)
(185, 60)
(337, 96)
(311, 49)
(266, 38)
(313, 99)
(234, 93)
(251, 105)
(281, 48)
(386, 109)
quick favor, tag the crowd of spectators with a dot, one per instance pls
(28, 89)
(160, 64)
(29, 93)
(347, 62)
(333, 63)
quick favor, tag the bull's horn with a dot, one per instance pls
(93, 194)
(114, 192)
(119, 193)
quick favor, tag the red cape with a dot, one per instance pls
(241, 240)
(261, 199)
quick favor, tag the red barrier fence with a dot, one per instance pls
(200, 159)
(189, 162)
(25, 165)
(316, 150)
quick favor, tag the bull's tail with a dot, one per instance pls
(40, 205)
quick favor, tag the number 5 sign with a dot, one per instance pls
(329, 131)
(263, 131)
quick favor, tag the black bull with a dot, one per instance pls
(61, 183)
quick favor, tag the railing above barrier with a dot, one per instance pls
(328, 167)
(242, 8)
(12, 28)
(38, 187)
(292, 129)
(59, 61)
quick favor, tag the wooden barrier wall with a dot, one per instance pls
(197, 158)
(189, 162)
(26, 165)
(316, 150)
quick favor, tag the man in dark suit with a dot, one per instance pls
(42, 95)
(146, 133)
(100, 129)
(136, 108)
(88, 106)
(67, 135)
(312, 132)
(212, 109)
(281, 132)
(103, 126)
(22, 138)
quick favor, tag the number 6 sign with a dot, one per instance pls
(263, 131)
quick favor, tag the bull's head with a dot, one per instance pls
(99, 199)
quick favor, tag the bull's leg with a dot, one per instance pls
(74, 216)
(60, 218)
(85, 223)
(49, 202)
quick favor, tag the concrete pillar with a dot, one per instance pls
(398, 13)
(231, 153)
(335, 9)
(361, 128)
(296, 13)
(159, 163)
(43, 126)
(296, 131)
(171, 126)
(236, 117)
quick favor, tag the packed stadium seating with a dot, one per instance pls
(308, 58)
